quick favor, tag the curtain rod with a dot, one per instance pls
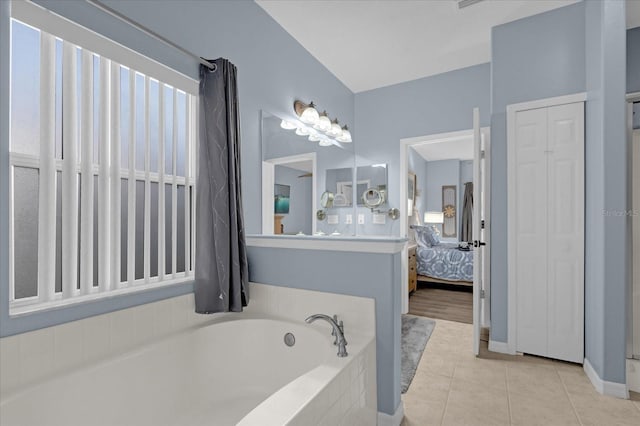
(149, 32)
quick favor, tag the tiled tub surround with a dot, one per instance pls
(163, 364)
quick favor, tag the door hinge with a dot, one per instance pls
(482, 224)
(482, 153)
(481, 294)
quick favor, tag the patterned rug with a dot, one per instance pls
(415, 335)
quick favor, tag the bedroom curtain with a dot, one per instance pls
(466, 233)
(221, 271)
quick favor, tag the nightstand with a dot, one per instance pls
(413, 268)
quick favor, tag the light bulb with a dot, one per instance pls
(323, 123)
(314, 138)
(325, 142)
(335, 129)
(345, 137)
(310, 115)
(287, 125)
(302, 131)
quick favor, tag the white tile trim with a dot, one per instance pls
(385, 419)
(618, 390)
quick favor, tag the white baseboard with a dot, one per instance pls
(618, 390)
(633, 375)
(500, 347)
(385, 419)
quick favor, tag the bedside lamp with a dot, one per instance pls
(434, 218)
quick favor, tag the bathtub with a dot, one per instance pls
(234, 370)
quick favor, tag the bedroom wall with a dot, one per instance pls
(419, 166)
(439, 174)
(273, 70)
(299, 216)
(633, 60)
(437, 104)
(533, 58)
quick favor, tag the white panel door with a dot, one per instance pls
(636, 243)
(565, 232)
(530, 218)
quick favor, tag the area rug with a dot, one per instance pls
(415, 335)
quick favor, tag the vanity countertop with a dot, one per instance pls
(359, 243)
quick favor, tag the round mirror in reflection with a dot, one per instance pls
(326, 199)
(372, 198)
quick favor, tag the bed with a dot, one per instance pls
(441, 262)
(444, 263)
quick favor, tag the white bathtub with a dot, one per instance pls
(236, 370)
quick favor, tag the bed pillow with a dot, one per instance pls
(425, 236)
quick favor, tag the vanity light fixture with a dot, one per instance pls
(320, 128)
(287, 125)
(307, 112)
(345, 137)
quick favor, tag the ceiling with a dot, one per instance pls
(372, 44)
(450, 149)
(302, 166)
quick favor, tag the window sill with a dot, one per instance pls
(21, 308)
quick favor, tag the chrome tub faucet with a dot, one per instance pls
(338, 331)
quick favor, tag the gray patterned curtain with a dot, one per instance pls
(221, 272)
(466, 233)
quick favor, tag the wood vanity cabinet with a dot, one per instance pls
(413, 269)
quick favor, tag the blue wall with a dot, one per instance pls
(439, 174)
(436, 104)
(418, 165)
(356, 274)
(608, 248)
(533, 58)
(273, 70)
(633, 60)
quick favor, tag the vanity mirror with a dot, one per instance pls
(309, 169)
(373, 177)
(340, 183)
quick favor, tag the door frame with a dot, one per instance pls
(630, 99)
(268, 191)
(405, 144)
(512, 110)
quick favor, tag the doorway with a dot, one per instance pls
(437, 169)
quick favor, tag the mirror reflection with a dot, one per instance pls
(340, 183)
(372, 177)
(295, 173)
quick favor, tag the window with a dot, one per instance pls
(102, 166)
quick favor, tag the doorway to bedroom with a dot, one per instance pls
(440, 229)
(445, 192)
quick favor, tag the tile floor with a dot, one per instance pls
(452, 387)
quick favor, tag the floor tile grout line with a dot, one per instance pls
(506, 382)
(566, 391)
(446, 402)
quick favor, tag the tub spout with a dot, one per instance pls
(338, 331)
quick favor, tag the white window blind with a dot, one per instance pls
(102, 166)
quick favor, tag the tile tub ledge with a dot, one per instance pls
(362, 244)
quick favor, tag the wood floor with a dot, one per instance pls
(442, 302)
